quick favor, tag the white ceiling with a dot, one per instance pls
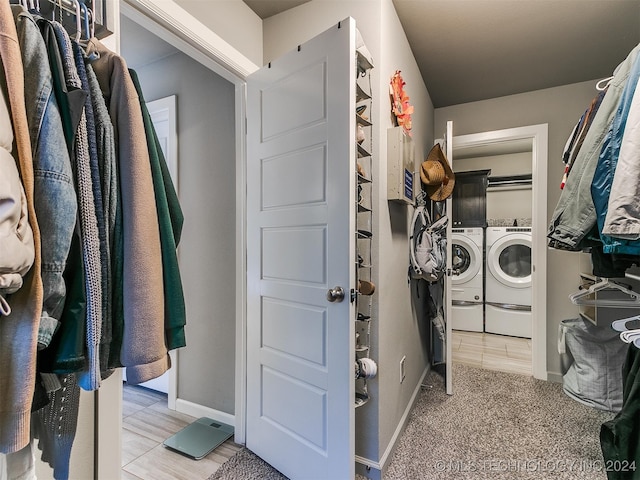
(469, 50)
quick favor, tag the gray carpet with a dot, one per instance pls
(496, 425)
(499, 426)
(246, 465)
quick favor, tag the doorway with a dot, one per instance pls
(201, 382)
(531, 139)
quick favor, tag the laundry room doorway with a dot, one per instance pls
(531, 141)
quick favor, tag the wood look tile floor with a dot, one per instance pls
(146, 423)
(492, 352)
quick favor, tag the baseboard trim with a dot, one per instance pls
(386, 456)
(196, 410)
(554, 377)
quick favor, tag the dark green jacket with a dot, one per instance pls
(170, 220)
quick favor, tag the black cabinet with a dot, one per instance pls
(470, 199)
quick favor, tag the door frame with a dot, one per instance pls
(538, 134)
(182, 30)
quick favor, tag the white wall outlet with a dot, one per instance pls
(402, 374)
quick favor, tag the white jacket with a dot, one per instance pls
(16, 237)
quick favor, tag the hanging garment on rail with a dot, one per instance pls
(54, 191)
(170, 219)
(88, 222)
(19, 330)
(621, 227)
(16, 236)
(143, 352)
(575, 215)
(107, 170)
(620, 437)
(107, 263)
(577, 136)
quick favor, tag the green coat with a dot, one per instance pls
(170, 220)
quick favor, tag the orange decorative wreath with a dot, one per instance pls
(400, 102)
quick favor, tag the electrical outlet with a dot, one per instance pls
(402, 374)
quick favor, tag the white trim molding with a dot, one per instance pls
(381, 465)
(538, 134)
(197, 411)
(175, 25)
(178, 27)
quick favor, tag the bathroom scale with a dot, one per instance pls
(199, 438)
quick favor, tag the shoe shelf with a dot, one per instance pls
(363, 152)
(365, 367)
(361, 94)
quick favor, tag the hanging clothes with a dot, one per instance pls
(143, 353)
(19, 330)
(104, 290)
(620, 437)
(577, 138)
(54, 191)
(602, 189)
(55, 424)
(623, 215)
(66, 353)
(170, 219)
(575, 215)
(107, 171)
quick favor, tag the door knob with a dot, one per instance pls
(335, 294)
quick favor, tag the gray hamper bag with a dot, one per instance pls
(591, 360)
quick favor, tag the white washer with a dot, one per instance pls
(508, 283)
(467, 293)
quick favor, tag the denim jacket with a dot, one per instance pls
(54, 193)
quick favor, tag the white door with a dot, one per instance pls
(301, 244)
(448, 299)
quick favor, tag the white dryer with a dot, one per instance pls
(467, 292)
(508, 283)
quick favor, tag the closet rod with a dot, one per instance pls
(510, 180)
(632, 276)
(95, 16)
(68, 5)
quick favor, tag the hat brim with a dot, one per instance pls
(441, 192)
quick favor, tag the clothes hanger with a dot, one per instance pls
(580, 297)
(78, 8)
(603, 84)
(87, 21)
(92, 32)
(627, 335)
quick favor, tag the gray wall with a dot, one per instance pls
(207, 179)
(233, 21)
(395, 330)
(560, 107)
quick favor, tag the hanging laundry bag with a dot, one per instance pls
(591, 360)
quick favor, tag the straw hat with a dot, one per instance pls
(437, 175)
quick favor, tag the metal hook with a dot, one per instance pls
(85, 17)
(93, 18)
